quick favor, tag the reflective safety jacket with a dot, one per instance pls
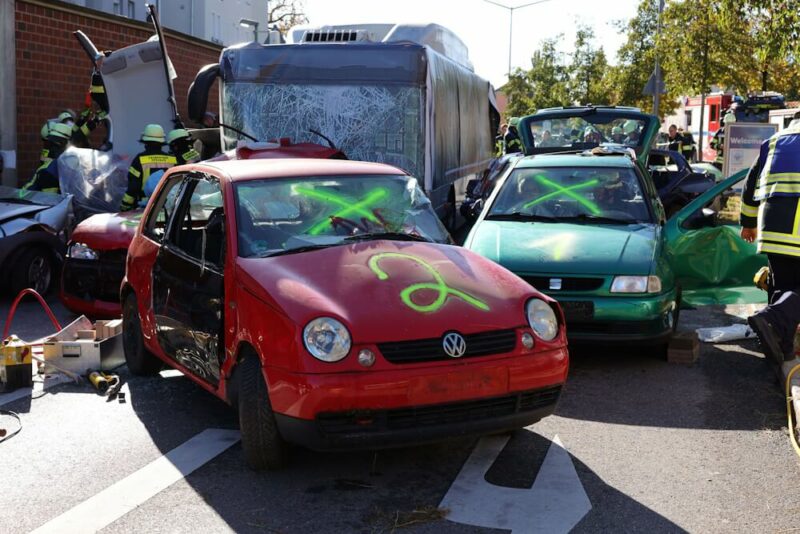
(675, 143)
(45, 179)
(687, 145)
(718, 144)
(771, 195)
(141, 167)
(511, 142)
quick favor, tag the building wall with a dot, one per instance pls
(53, 72)
(211, 20)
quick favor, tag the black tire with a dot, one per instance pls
(264, 448)
(140, 361)
(32, 268)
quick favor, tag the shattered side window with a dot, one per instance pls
(382, 124)
(162, 209)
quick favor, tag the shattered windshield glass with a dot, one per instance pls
(277, 216)
(591, 193)
(376, 123)
(585, 132)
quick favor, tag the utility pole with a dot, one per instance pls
(511, 10)
(657, 92)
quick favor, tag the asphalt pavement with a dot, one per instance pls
(656, 447)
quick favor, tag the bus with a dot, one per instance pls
(401, 94)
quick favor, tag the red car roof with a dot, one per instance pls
(241, 170)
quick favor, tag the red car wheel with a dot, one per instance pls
(264, 448)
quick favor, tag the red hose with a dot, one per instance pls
(41, 301)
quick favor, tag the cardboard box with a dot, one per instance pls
(87, 334)
(113, 328)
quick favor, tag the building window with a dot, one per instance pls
(118, 8)
(216, 28)
(131, 9)
(688, 118)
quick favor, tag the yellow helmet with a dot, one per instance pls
(178, 133)
(513, 121)
(153, 133)
(60, 131)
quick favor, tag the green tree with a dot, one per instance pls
(544, 85)
(636, 59)
(588, 72)
(773, 27)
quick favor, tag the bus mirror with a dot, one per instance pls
(198, 91)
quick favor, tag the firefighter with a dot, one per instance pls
(511, 141)
(46, 176)
(151, 159)
(718, 142)
(499, 140)
(769, 215)
(675, 140)
(96, 112)
(688, 147)
(49, 150)
(181, 145)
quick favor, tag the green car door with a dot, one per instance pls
(711, 262)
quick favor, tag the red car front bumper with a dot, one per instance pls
(410, 406)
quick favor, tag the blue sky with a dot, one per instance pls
(484, 27)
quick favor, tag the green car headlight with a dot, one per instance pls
(636, 284)
(326, 339)
(542, 319)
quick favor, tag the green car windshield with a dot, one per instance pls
(606, 194)
(278, 216)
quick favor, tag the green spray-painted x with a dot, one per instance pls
(347, 205)
(560, 190)
(439, 285)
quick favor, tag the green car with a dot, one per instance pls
(579, 218)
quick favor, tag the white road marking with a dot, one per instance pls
(555, 503)
(38, 387)
(102, 509)
(170, 373)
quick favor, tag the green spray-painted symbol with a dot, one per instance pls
(133, 220)
(560, 190)
(348, 206)
(438, 285)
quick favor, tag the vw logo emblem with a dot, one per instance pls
(454, 345)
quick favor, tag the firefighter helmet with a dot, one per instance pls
(60, 132)
(176, 134)
(153, 133)
(513, 121)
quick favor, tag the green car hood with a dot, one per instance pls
(525, 247)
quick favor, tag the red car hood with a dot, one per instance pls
(107, 231)
(388, 290)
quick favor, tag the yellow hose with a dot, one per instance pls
(790, 408)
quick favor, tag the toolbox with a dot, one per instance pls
(73, 349)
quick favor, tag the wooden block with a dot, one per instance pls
(684, 348)
(87, 334)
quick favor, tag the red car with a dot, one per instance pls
(95, 259)
(325, 299)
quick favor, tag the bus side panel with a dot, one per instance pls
(462, 143)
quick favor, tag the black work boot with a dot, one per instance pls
(769, 337)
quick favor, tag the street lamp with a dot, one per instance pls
(249, 23)
(511, 22)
